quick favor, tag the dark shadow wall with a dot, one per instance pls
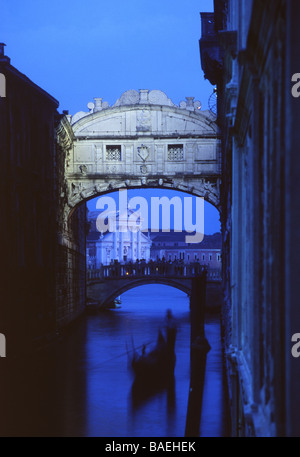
(32, 255)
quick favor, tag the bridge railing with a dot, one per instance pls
(152, 269)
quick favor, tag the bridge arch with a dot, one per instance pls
(202, 191)
(105, 293)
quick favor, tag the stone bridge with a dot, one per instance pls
(106, 284)
(143, 140)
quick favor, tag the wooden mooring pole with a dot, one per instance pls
(199, 350)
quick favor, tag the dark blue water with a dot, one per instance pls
(83, 386)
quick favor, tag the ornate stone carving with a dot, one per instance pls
(83, 169)
(210, 188)
(111, 168)
(98, 188)
(157, 97)
(91, 106)
(64, 134)
(144, 169)
(79, 116)
(76, 189)
(143, 121)
(130, 97)
(98, 152)
(197, 105)
(143, 152)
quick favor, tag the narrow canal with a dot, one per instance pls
(82, 386)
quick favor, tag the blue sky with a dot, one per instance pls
(79, 50)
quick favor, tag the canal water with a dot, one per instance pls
(83, 386)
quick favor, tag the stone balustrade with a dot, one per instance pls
(152, 269)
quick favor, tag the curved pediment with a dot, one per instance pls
(144, 113)
(144, 120)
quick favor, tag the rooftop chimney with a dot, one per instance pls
(2, 56)
(2, 49)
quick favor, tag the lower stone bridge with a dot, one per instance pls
(104, 285)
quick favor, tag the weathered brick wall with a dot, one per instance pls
(70, 248)
(71, 271)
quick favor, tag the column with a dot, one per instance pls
(115, 252)
(121, 247)
(139, 245)
(133, 258)
(99, 255)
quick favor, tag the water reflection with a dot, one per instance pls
(142, 393)
(145, 413)
(83, 387)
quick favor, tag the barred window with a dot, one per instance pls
(113, 153)
(175, 152)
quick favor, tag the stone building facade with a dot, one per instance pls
(250, 50)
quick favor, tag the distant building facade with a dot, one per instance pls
(172, 246)
(250, 51)
(123, 245)
(127, 246)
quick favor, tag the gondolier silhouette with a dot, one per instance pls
(171, 330)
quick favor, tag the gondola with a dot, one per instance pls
(157, 365)
(154, 371)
